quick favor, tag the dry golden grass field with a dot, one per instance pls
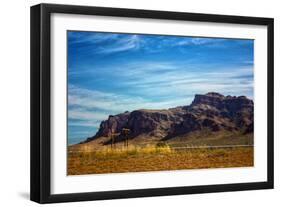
(155, 158)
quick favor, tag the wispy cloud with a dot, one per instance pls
(81, 113)
(104, 43)
(123, 44)
(81, 37)
(200, 41)
(84, 123)
(91, 104)
(108, 43)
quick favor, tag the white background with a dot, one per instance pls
(14, 104)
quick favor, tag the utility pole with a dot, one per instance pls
(112, 136)
(126, 132)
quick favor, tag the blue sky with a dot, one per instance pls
(109, 73)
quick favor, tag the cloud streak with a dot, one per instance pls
(108, 43)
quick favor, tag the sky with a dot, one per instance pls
(110, 73)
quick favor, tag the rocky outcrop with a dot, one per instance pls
(212, 111)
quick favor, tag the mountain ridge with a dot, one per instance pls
(212, 111)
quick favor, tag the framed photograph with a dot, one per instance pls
(132, 103)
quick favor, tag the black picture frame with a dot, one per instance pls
(41, 99)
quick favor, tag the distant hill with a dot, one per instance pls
(212, 112)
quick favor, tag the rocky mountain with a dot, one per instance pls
(211, 111)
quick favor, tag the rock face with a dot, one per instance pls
(212, 111)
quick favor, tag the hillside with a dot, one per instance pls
(208, 115)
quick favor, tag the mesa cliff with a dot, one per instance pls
(212, 111)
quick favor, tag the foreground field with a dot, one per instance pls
(156, 158)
